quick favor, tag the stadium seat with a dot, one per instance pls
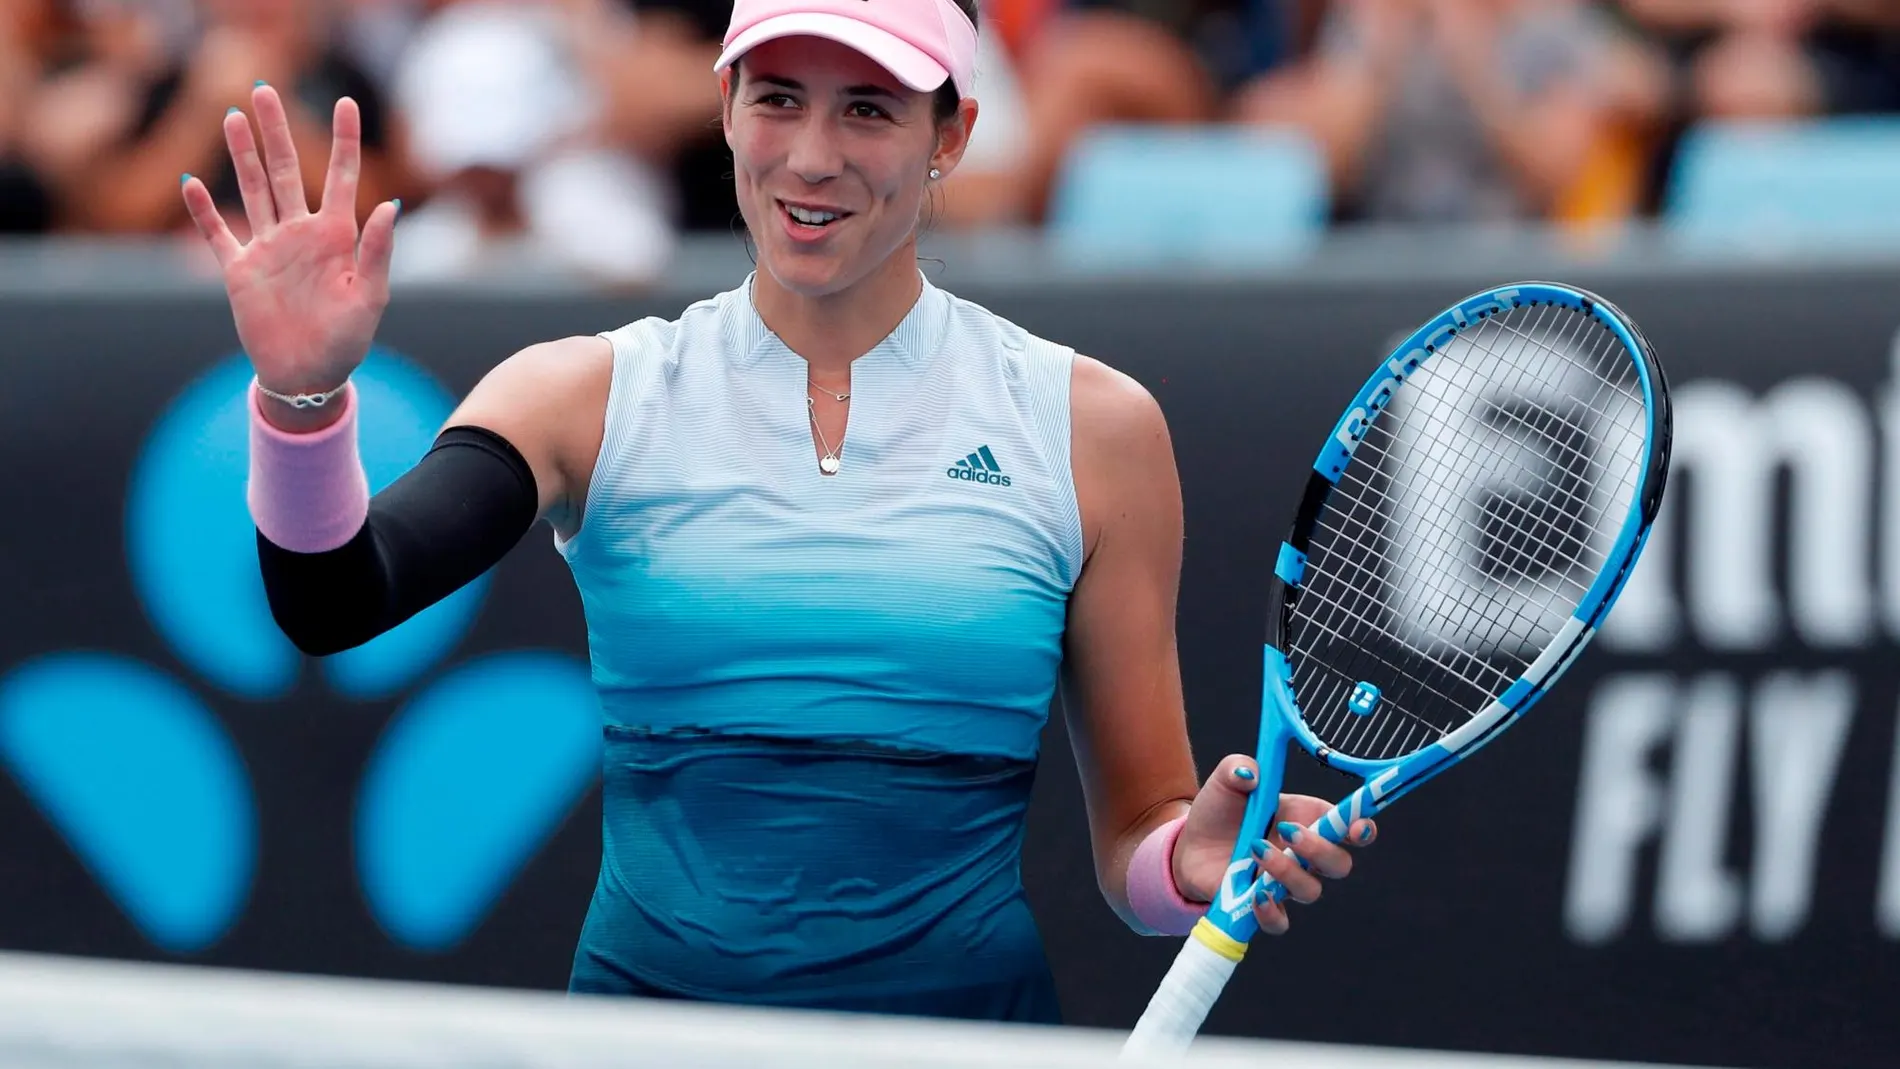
(1221, 196)
(1757, 183)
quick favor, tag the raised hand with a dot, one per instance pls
(305, 292)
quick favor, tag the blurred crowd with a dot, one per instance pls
(590, 127)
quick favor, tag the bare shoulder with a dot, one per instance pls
(1113, 418)
(557, 370)
(543, 389)
(1122, 457)
(549, 401)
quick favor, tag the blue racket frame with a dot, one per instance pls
(1386, 780)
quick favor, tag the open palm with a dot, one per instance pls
(306, 294)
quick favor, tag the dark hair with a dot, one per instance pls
(947, 99)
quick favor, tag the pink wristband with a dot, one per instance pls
(308, 492)
(1152, 895)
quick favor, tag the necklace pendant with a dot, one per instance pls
(828, 465)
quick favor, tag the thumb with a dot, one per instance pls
(377, 244)
(1215, 815)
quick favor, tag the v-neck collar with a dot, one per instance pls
(915, 340)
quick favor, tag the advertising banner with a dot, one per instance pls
(1690, 852)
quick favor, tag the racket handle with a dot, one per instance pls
(1186, 994)
(1332, 827)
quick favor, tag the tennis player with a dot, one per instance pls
(837, 532)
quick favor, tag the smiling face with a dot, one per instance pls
(831, 157)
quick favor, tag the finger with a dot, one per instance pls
(1308, 812)
(280, 153)
(376, 247)
(1236, 773)
(1271, 917)
(1328, 859)
(346, 160)
(1220, 804)
(253, 184)
(1301, 885)
(204, 212)
(1303, 809)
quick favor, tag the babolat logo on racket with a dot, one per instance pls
(1353, 426)
(979, 467)
(1363, 699)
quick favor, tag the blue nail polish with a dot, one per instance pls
(184, 178)
(1289, 831)
(260, 83)
(1259, 848)
(398, 203)
(1365, 835)
(233, 111)
(1243, 772)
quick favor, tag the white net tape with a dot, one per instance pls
(62, 1013)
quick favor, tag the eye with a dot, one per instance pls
(864, 109)
(776, 100)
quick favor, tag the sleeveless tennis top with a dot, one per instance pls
(824, 695)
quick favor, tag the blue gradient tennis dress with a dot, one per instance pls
(824, 694)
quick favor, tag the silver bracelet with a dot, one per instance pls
(302, 400)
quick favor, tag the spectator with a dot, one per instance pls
(154, 118)
(1058, 67)
(374, 33)
(1470, 110)
(509, 134)
(651, 63)
(1099, 65)
(1768, 60)
(1778, 59)
(28, 29)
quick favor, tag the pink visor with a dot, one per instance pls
(922, 43)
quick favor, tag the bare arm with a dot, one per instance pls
(1128, 722)
(1542, 137)
(1681, 16)
(652, 74)
(133, 189)
(550, 402)
(1339, 94)
(1544, 142)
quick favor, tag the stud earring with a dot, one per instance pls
(935, 174)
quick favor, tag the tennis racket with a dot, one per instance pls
(1465, 529)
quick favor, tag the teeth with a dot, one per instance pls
(810, 218)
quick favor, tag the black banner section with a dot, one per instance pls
(1689, 853)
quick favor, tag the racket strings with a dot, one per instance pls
(1522, 534)
(1361, 482)
(1488, 679)
(1412, 737)
(1489, 493)
(1571, 431)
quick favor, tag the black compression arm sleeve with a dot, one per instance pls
(442, 524)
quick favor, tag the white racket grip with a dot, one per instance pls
(1174, 1015)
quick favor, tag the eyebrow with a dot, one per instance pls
(795, 86)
